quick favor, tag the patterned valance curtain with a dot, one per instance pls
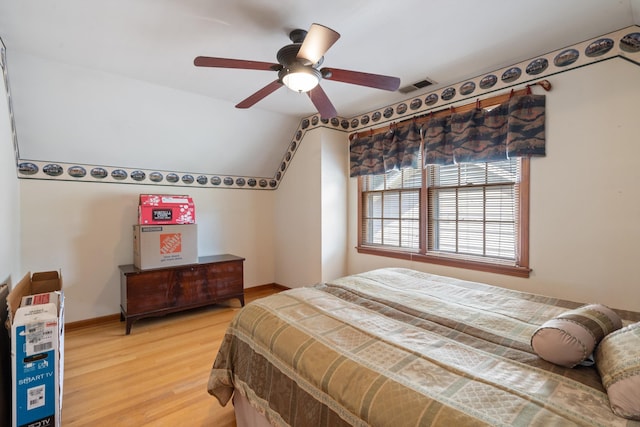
(366, 154)
(525, 126)
(383, 152)
(514, 128)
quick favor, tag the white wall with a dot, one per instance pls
(10, 197)
(310, 211)
(333, 204)
(585, 195)
(298, 217)
(72, 114)
(84, 229)
(583, 241)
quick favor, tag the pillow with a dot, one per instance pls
(571, 337)
(618, 361)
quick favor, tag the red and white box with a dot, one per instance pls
(44, 298)
(161, 209)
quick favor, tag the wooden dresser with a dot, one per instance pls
(146, 293)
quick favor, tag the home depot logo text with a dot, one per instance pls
(170, 243)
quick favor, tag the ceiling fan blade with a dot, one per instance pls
(322, 103)
(259, 95)
(377, 81)
(317, 42)
(207, 61)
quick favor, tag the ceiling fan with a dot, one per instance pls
(299, 69)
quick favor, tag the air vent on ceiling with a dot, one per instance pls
(417, 85)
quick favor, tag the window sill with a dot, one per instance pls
(509, 270)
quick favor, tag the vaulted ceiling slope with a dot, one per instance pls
(113, 83)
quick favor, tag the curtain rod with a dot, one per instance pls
(479, 103)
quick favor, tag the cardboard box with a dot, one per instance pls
(35, 367)
(159, 246)
(162, 209)
(37, 349)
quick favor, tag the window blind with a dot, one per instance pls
(472, 209)
(391, 209)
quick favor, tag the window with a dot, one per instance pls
(391, 205)
(470, 215)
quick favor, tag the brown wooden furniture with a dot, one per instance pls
(156, 292)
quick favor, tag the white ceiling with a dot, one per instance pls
(156, 41)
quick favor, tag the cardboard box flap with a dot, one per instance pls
(15, 297)
(46, 281)
(45, 275)
(41, 282)
(36, 313)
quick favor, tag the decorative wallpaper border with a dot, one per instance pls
(624, 43)
(61, 171)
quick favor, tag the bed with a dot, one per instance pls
(397, 347)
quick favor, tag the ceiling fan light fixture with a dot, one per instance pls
(301, 78)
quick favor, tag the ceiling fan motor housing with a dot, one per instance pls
(288, 55)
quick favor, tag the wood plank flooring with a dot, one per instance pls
(157, 376)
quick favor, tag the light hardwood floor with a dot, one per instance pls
(157, 376)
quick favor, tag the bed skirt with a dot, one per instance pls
(247, 415)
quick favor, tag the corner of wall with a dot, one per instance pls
(9, 188)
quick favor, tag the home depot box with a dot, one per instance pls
(37, 349)
(166, 209)
(158, 246)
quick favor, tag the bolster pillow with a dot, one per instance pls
(618, 362)
(570, 338)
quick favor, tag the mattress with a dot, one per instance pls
(397, 347)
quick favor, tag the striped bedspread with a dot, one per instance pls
(397, 347)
